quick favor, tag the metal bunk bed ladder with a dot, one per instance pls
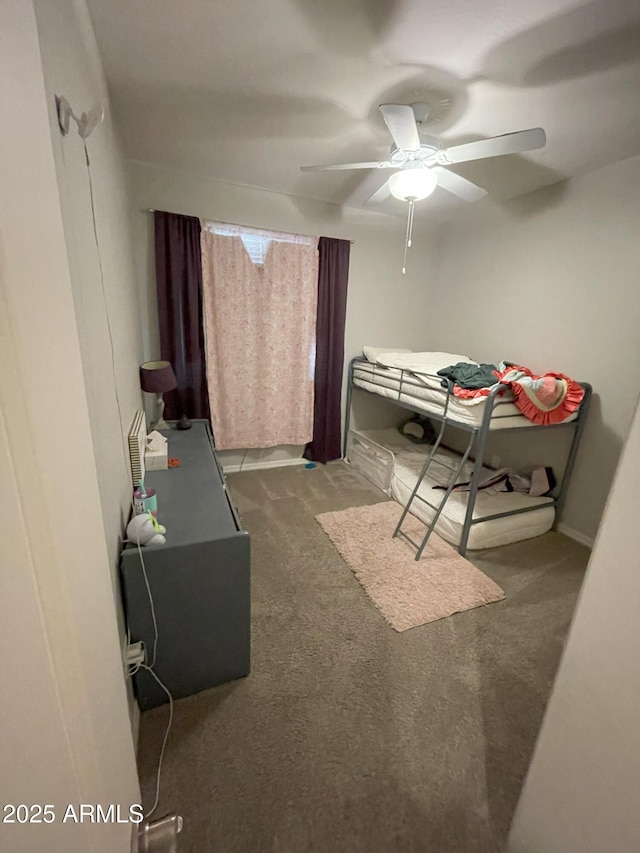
(432, 460)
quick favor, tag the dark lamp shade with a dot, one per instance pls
(157, 377)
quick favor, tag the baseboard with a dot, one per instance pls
(254, 466)
(573, 534)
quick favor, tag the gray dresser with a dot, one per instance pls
(199, 580)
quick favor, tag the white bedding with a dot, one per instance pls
(421, 362)
(431, 399)
(423, 391)
(372, 353)
(409, 460)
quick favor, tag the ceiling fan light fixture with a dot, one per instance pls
(413, 184)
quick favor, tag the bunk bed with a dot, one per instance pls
(473, 518)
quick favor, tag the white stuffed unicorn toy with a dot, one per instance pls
(144, 529)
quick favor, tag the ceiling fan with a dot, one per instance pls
(419, 163)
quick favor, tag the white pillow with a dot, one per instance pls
(422, 362)
(372, 353)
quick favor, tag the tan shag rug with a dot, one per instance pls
(407, 592)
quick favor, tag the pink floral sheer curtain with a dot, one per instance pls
(260, 302)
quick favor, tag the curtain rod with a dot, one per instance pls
(235, 224)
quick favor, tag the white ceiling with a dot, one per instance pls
(247, 91)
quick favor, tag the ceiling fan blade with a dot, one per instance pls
(401, 121)
(458, 185)
(509, 143)
(380, 195)
(375, 164)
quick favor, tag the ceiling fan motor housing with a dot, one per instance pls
(426, 154)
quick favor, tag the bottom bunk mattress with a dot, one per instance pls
(402, 462)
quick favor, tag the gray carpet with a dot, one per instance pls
(348, 736)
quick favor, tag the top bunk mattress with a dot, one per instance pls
(423, 392)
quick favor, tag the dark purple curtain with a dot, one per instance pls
(333, 276)
(179, 287)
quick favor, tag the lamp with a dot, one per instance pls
(412, 183)
(157, 377)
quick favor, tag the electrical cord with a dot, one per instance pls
(149, 667)
(164, 741)
(115, 387)
(151, 601)
(106, 309)
(133, 670)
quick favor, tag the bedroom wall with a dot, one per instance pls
(104, 282)
(581, 793)
(65, 735)
(103, 278)
(384, 308)
(551, 280)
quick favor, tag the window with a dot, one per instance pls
(256, 240)
(260, 301)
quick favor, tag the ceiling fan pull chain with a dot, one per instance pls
(407, 242)
(411, 204)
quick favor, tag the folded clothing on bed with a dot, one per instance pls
(549, 398)
(469, 376)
